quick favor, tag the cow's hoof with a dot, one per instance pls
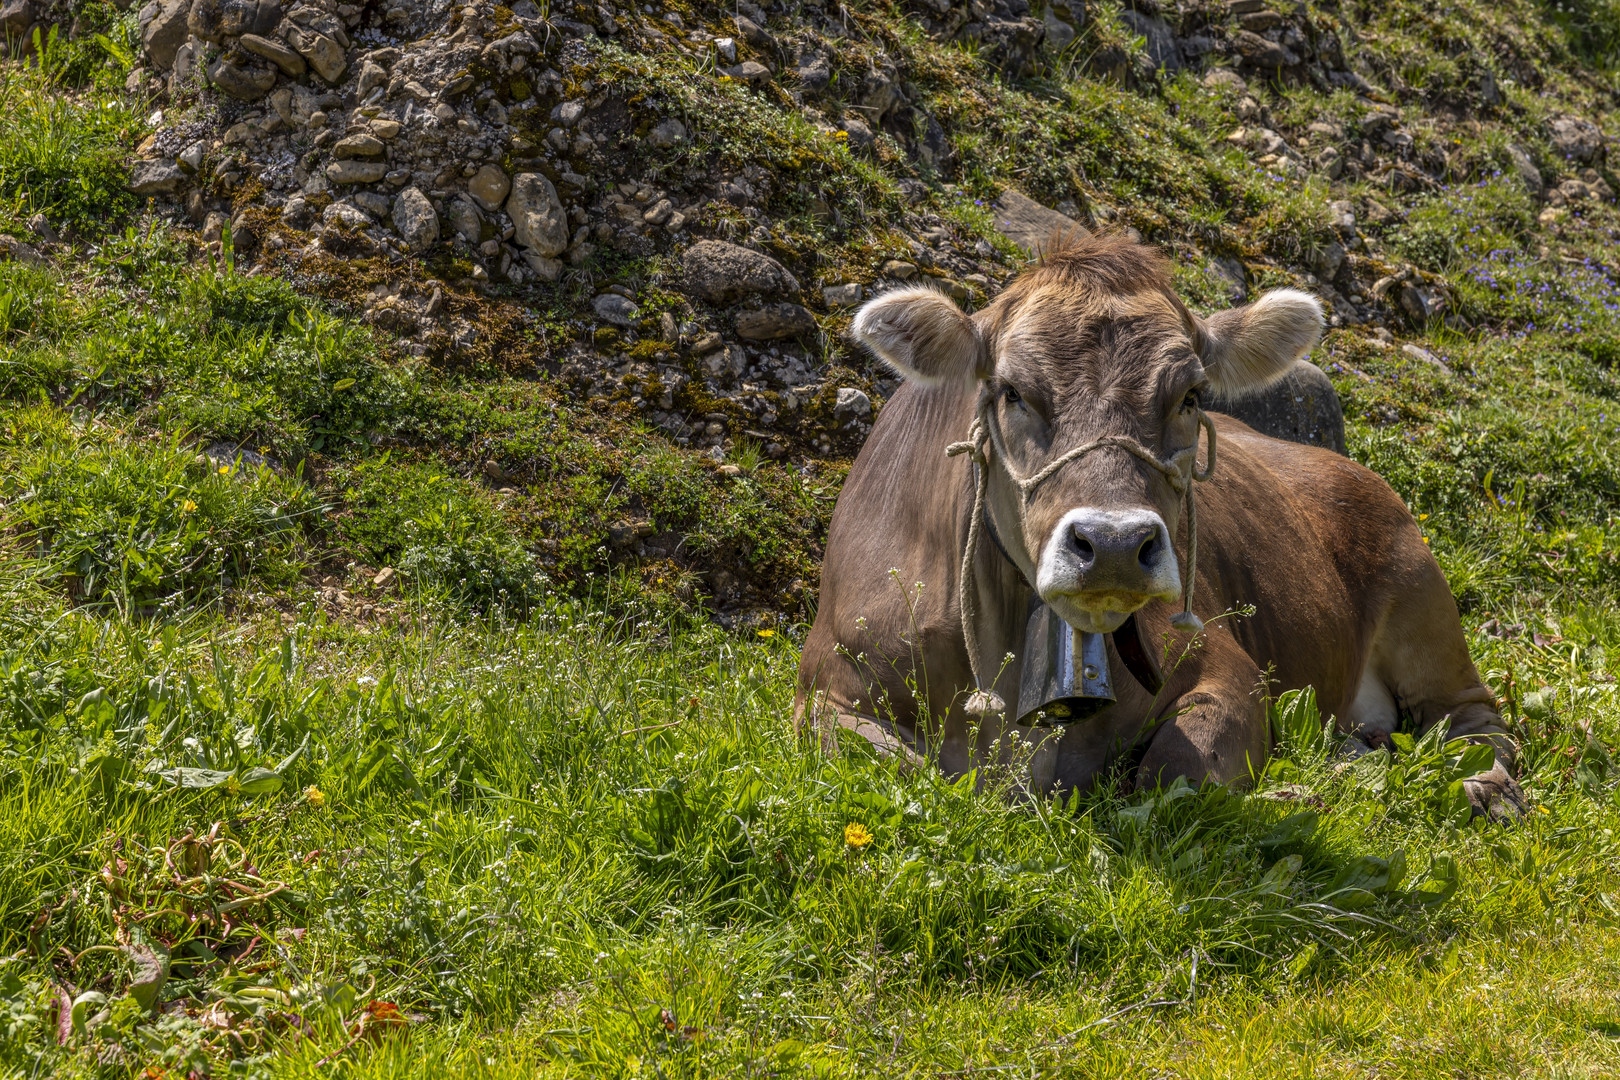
(1495, 796)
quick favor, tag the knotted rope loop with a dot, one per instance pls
(984, 435)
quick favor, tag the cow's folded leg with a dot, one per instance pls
(1493, 794)
(829, 720)
(1217, 732)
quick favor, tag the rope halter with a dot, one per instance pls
(984, 435)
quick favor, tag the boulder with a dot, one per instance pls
(539, 222)
(723, 273)
(323, 53)
(291, 64)
(1576, 139)
(1303, 407)
(774, 321)
(358, 145)
(489, 187)
(1032, 226)
(667, 134)
(1524, 167)
(465, 220)
(203, 19)
(619, 310)
(852, 404)
(345, 214)
(238, 17)
(163, 30)
(17, 17)
(1162, 49)
(354, 171)
(155, 177)
(1262, 53)
(243, 81)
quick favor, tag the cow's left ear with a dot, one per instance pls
(1247, 348)
(922, 335)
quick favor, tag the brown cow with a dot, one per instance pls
(1091, 353)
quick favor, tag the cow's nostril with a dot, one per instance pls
(1148, 553)
(1082, 545)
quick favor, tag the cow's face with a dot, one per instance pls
(1092, 343)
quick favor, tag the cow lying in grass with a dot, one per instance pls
(1074, 403)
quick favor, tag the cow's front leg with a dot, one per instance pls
(1216, 729)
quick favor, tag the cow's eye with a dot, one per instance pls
(1011, 395)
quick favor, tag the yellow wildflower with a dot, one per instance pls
(187, 507)
(315, 796)
(224, 470)
(856, 835)
(767, 633)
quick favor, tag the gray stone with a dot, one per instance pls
(1329, 260)
(1303, 407)
(371, 77)
(238, 17)
(164, 30)
(245, 82)
(11, 248)
(667, 134)
(775, 321)
(373, 203)
(17, 17)
(1217, 78)
(465, 220)
(1161, 41)
(1261, 53)
(489, 187)
(356, 172)
(155, 177)
(852, 404)
(1576, 139)
(291, 64)
(859, 135)
(323, 54)
(568, 113)
(539, 221)
(723, 273)
(358, 145)
(204, 18)
(1524, 167)
(345, 214)
(544, 268)
(899, 268)
(1031, 226)
(619, 310)
(751, 72)
(841, 296)
(415, 220)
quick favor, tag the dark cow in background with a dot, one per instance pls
(1080, 391)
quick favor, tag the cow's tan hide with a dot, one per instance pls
(1091, 343)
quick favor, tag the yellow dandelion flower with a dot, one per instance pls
(856, 835)
(1423, 517)
(315, 796)
(224, 470)
(767, 633)
(187, 507)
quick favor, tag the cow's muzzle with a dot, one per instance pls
(1099, 566)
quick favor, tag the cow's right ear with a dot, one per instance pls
(923, 335)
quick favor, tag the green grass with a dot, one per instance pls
(526, 810)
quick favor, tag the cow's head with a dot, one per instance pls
(1092, 342)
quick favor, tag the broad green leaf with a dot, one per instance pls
(1293, 829)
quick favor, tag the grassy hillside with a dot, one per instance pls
(395, 702)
